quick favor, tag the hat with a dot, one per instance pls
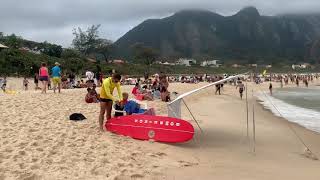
(57, 64)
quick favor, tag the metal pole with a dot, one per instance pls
(253, 127)
(192, 115)
(247, 108)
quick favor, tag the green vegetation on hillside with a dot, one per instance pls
(243, 37)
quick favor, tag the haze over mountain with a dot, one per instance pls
(246, 36)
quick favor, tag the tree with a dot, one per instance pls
(51, 49)
(13, 41)
(105, 48)
(144, 54)
(70, 53)
(86, 41)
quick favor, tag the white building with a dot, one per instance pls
(186, 62)
(300, 66)
(212, 63)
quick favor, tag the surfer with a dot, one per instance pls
(106, 97)
(241, 88)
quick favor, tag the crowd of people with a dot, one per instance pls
(156, 87)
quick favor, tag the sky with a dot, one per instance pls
(54, 20)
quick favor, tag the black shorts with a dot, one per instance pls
(105, 100)
(44, 78)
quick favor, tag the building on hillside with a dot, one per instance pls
(269, 66)
(3, 47)
(92, 60)
(186, 62)
(117, 61)
(34, 50)
(167, 63)
(253, 65)
(301, 66)
(212, 63)
(236, 65)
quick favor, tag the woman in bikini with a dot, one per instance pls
(44, 77)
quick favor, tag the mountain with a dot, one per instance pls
(245, 36)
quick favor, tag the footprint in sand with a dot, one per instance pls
(137, 176)
(187, 164)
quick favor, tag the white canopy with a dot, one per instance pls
(174, 107)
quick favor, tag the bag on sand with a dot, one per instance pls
(77, 117)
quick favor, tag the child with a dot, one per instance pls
(49, 84)
(92, 95)
(25, 83)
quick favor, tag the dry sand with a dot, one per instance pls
(37, 141)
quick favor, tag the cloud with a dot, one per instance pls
(53, 21)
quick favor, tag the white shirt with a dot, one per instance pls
(89, 75)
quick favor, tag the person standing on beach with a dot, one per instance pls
(56, 77)
(270, 88)
(107, 98)
(25, 83)
(44, 77)
(305, 80)
(241, 88)
(36, 81)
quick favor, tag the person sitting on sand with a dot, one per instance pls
(131, 107)
(107, 98)
(25, 83)
(138, 92)
(77, 85)
(82, 84)
(92, 95)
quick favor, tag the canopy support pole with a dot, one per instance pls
(247, 108)
(192, 114)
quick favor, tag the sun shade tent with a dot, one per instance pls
(174, 107)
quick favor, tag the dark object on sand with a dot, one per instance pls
(77, 117)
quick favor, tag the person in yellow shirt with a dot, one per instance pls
(107, 98)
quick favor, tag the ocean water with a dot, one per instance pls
(298, 105)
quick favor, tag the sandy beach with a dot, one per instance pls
(38, 141)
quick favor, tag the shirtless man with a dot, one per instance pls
(241, 88)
